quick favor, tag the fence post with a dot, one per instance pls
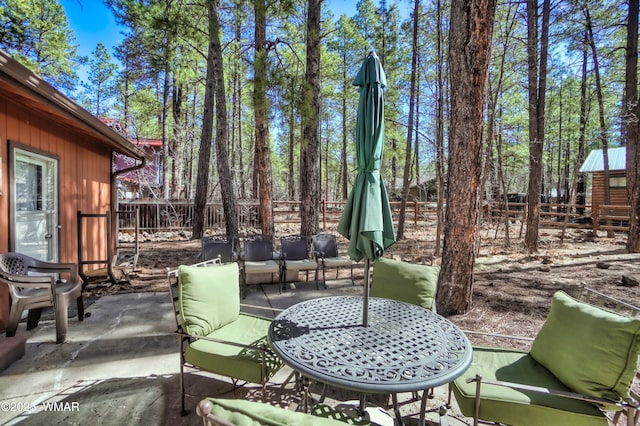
(596, 218)
(416, 211)
(323, 204)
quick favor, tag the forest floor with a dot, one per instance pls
(512, 289)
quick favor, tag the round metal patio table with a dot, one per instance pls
(404, 348)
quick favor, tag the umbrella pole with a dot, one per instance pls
(365, 306)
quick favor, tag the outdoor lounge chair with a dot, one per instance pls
(407, 282)
(581, 364)
(325, 248)
(222, 246)
(34, 292)
(297, 257)
(214, 335)
(259, 258)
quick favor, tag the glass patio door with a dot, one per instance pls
(35, 205)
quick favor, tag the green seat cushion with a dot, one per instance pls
(209, 297)
(509, 406)
(232, 360)
(407, 282)
(249, 413)
(591, 350)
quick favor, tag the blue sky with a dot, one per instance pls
(92, 22)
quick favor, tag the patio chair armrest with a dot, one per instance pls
(629, 403)
(50, 267)
(262, 347)
(33, 282)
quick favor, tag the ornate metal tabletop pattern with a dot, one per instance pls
(404, 348)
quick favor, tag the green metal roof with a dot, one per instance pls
(595, 162)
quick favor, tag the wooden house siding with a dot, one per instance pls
(618, 195)
(84, 172)
(36, 117)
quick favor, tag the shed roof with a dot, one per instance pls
(595, 162)
(29, 89)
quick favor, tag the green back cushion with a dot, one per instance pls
(407, 282)
(209, 297)
(591, 350)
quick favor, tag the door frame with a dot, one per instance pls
(13, 147)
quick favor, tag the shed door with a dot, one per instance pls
(35, 205)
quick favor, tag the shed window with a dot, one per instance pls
(617, 181)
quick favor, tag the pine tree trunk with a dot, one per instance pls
(261, 114)
(630, 120)
(469, 56)
(412, 100)
(222, 129)
(309, 177)
(537, 92)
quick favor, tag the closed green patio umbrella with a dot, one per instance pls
(366, 220)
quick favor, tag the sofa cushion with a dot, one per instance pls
(510, 406)
(209, 297)
(407, 282)
(589, 349)
(249, 413)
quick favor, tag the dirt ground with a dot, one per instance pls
(512, 289)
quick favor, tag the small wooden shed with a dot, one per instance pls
(56, 159)
(594, 164)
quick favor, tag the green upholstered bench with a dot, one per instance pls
(581, 363)
(238, 412)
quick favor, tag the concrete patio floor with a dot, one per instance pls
(120, 366)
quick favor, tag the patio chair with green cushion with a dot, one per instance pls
(236, 412)
(35, 284)
(581, 364)
(325, 248)
(214, 335)
(407, 282)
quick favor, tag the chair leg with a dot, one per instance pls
(33, 318)
(80, 306)
(476, 405)
(183, 410)
(14, 318)
(324, 280)
(62, 320)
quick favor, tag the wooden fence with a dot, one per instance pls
(178, 216)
